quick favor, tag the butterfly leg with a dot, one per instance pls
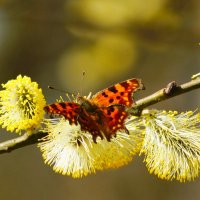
(126, 130)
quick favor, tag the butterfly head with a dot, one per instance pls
(86, 103)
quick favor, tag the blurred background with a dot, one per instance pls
(53, 42)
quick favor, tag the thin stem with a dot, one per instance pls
(170, 91)
(21, 141)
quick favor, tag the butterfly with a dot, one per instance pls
(102, 115)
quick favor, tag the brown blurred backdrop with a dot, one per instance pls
(111, 40)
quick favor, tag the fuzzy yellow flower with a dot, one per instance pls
(21, 104)
(73, 152)
(172, 144)
(67, 148)
(121, 149)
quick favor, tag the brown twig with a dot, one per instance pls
(170, 91)
(21, 141)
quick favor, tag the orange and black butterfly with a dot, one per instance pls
(104, 113)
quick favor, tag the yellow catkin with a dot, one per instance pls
(172, 144)
(21, 104)
(73, 152)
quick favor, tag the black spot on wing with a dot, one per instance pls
(113, 89)
(70, 104)
(104, 94)
(111, 100)
(54, 107)
(63, 105)
(124, 84)
(111, 109)
(118, 97)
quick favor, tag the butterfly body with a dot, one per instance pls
(104, 113)
(87, 104)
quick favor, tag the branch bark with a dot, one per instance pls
(170, 91)
(21, 141)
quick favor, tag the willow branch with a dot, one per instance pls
(21, 141)
(171, 90)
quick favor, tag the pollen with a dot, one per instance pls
(172, 144)
(21, 104)
(71, 151)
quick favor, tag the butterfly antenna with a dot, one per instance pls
(59, 90)
(63, 91)
(82, 83)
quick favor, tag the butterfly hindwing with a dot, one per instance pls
(91, 122)
(113, 119)
(104, 121)
(120, 93)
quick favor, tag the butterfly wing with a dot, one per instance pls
(104, 121)
(113, 119)
(104, 113)
(69, 110)
(91, 122)
(120, 93)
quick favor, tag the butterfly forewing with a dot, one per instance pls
(120, 93)
(69, 110)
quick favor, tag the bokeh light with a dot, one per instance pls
(108, 56)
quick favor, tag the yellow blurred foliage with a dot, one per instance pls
(109, 56)
(1, 2)
(109, 13)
